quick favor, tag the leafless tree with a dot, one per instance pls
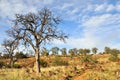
(37, 29)
(10, 46)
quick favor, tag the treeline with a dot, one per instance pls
(75, 51)
(85, 55)
(64, 52)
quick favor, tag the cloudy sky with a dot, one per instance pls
(89, 23)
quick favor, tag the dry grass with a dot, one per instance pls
(18, 74)
(103, 70)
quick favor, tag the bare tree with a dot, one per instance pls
(10, 46)
(37, 29)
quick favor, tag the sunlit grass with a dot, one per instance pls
(97, 75)
(15, 74)
(61, 72)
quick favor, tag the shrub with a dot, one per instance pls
(16, 66)
(113, 58)
(6, 56)
(88, 59)
(20, 55)
(43, 63)
(1, 64)
(57, 61)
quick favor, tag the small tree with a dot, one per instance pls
(107, 50)
(37, 29)
(58, 61)
(44, 52)
(114, 52)
(20, 55)
(5, 56)
(94, 50)
(75, 51)
(114, 55)
(10, 46)
(81, 51)
(86, 51)
(55, 50)
(64, 51)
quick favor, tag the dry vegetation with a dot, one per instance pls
(75, 70)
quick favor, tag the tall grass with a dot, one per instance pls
(96, 75)
(16, 74)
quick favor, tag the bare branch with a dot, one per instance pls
(36, 29)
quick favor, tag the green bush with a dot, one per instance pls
(57, 61)
(43, 63)
(16, 66)
(20, 55)
(1, 64)
(113, 58)
(88, 59)
(6, 56)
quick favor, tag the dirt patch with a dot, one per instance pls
(80, 77)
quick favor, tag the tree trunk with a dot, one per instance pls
(37, 60)
(11, 60)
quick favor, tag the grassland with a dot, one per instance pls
(76, 70)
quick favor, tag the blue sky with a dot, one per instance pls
(89, 23)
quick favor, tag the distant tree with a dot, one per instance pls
(44, 52)
(10, 46)
(75, 51)
(115, 52)
(64, 51)
(81, 51)
(37, 29)
(94, 50)
(114, 55)
(6, 56)
(55, 50)
(20, 55)
(71, 52)
(107, 50)
(86, 51)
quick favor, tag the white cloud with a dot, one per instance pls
(1, 48)
(81, 42)
(10, 8)
(65, 6)
(47, 1)
(105, 19)
(118, 8)
(110, 8)
(105, 7)
(98, 31)
(103, 30)
(100, 8)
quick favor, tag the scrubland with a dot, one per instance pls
(64, 68)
